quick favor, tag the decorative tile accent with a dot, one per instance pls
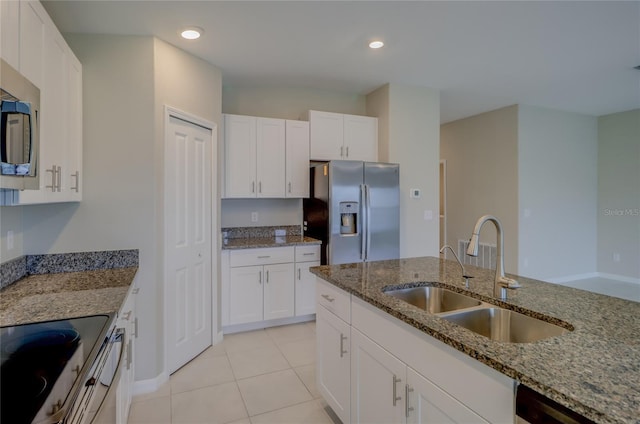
(82, 261)
(12, 271)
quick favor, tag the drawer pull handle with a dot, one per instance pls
(342, 339)
(264, 257)
(329, 298)
(308, 254)
(396, 398)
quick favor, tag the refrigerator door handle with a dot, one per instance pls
(362, 223)
(367, 197)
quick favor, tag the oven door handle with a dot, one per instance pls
(119, 337)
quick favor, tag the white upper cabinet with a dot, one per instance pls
(46, 60)
(297, 160)
(340, 136)
(10, 33)
(32, 34)
(265, 157)
(270, 160)
(240, 155)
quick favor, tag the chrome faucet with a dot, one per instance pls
(500, 283)
(464, 274)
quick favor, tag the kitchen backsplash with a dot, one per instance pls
(261, 232)
(14, 270)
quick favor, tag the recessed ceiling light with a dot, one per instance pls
(376, 44)
(192, 33)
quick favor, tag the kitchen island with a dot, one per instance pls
(593, 370)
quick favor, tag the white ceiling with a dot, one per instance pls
(571, 55)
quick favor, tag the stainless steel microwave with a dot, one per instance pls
(19, 130)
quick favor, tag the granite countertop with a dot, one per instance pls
(256, 242)
(64, 295)
(593, 370)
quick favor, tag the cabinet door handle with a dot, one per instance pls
(341, 151)
(347, 151)
(260, 187)
(260, 277)
(407, 389)
(129, 355)
(76, 187)
(253, 187)
(59, 179)
(135, 327)
(329, 298)
(342, 339)
(289, 186)
(396, 398)
(298, 273)
(267, 276)
(53, 178)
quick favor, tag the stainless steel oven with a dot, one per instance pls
(19, 130)
(63, 371)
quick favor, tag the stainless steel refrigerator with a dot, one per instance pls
(354, 208)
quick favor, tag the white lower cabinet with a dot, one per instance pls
(399, 374)
(333, 357)
(377, 383)
(266, 284)
(427, 403)
(127, 319)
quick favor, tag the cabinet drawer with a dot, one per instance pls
(272, 255)
(308, 253)
(334, 299)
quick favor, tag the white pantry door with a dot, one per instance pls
(188, 255)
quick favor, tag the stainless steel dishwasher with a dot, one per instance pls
(534, 408)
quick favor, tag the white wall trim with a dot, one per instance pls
(622, 278)
(569, 278)
(150, 385)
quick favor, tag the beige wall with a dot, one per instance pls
(557, 192)
(409, 134)
(126, 82)
(482, 177)
(288, 102)
(619, 193)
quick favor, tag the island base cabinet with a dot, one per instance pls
(333, 362)
(426, 403)
(377, 383)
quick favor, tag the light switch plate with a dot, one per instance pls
(281, 233)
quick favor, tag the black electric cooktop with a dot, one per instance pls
(35, 360)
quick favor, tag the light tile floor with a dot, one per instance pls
(257, 377)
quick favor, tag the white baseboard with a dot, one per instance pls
(619, 278)
(142, 387)
(237, 328)
(569, 278)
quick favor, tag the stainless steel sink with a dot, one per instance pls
(504, 325)
(434, 299)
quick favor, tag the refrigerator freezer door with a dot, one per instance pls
(383, 214)
(345, 179)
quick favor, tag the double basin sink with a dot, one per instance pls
(490, 321)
